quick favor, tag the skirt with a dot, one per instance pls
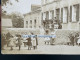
(78, 41)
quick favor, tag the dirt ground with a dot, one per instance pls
(45, 49)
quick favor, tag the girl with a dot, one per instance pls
(78, 39)
(11, 43)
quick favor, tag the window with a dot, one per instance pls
(44, 16)
(26, 24)
(61, 14)
(35, 23)
(65, 15)
(47, 15)
(75, 13)
(70, 13)
(30, 23)
(52, 14)
(57, 14)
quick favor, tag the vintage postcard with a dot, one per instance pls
(40, 27)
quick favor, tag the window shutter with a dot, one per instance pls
(67, 14)
(77, 12)
(70, 13)
(61, 15)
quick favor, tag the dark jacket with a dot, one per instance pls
(36, 41)
(19, 41)
(29, 41)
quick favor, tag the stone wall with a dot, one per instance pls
(62, 36)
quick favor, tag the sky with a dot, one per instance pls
(23, 6)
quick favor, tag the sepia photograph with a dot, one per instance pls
(40, 27)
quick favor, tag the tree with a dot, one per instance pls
(4, 2)
(17, 21)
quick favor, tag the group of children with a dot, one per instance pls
(17, 42)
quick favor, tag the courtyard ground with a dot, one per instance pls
(45, 49)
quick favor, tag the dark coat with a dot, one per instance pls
(72, 40)
(19, 41)
(8, 35)
(29, 42)
(36, 41)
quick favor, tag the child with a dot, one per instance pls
(11, 43)
(78, 39)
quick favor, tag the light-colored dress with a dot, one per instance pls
(33, 41)
(15, 38)
(78, 40)
(47, 38)
(11, 43)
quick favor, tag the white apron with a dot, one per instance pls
(33, 42)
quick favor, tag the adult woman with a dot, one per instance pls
(34, 42)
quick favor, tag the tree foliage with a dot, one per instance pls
(17, 21)
(4, 2)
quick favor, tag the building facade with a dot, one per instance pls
(63, 12)
(6, 23)
(32, 19)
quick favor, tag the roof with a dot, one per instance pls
(6, 22)
(34, 9)
(37, 11)
(35, 5)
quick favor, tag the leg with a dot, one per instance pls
(73, 44)
(45, 42)
(69, 43)
(11, 48)
(34, 47)
(19, 47)
(28, 47)
(79, 44)
(24, 44)
(48, 43)
(16, 45)
(7, 44)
